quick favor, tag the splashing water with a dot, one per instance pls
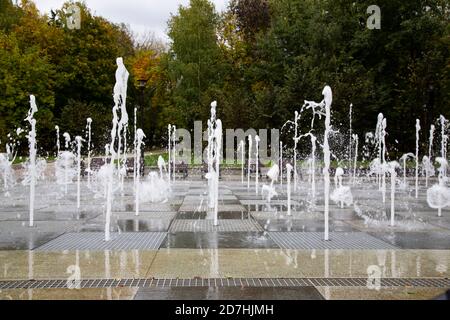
(342, 194)
(140, 137)
(289, 169)
(120, 99)
(174, 152)
(428, 168)
(58, 144)
(403, 159)
(355, 164)
(438, 196)
(33, 152)
(6, 161)
(379, 143)
(250, 144)
(214, 152)
(392, 166)
(155, 189)
(79, 141)
(169, 148)
(417, 156)
(269, 190)
(67, 140)
(444, 138)
(350, 159)
(324, 109)
(281, 163)
(120, 91)
(242, 149)
(89, 171)
(64, 169)
(161, 166)
(257, 140)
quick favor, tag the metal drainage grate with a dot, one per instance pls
(225, 225)
(228, 282)
(96, 241)
(338, 240)
(144, 215)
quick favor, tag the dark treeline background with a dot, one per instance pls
(260, 60)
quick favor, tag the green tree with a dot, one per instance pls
(194, 64)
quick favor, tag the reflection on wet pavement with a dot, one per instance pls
(241, 247)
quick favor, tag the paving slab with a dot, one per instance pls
(416, 240)
(297, 225)
(228, 293)
(225, 225)
(216, 240)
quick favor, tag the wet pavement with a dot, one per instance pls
(227, 293)
(254, 240)
(218, 240)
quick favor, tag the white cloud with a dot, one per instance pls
(141, 15)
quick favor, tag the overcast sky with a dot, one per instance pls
(141, 15)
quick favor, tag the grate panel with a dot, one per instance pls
(338, 240)
(225, 225)
(95, 241)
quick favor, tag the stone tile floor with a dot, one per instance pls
(254, 240)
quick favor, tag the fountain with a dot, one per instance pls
(58, 146)
(444, 139)
(120, 91)
(428, 169)
(161, 166)
(242, 149)
(174, 151)
(324, 109)
(272, 174)
(342, 194)
(430, 151)
(64, 169)
(430, 144)
(392, 166)
(79, 141)
(403, 159)
(289, 169)
(378, 141)
(156, 186)
(169, 149)
(257, 140)
(140, 137)
(296, 140)
(250, 144)
(417, 157)
(32, 161)
(438, 196)
(350, 159)
(356, 139)
(214, 152)
(135, 164)
(281, 163)
(67, 140)
(383, 157)
(88, 171)
(313, 165)
(6, 161)
(154, 190)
